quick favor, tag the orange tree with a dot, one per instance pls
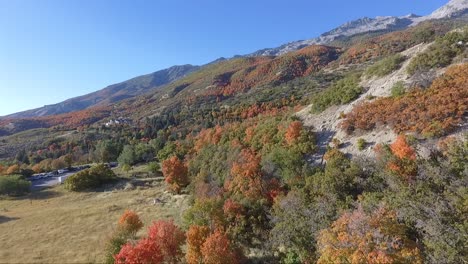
(358, 237)
(175, 173)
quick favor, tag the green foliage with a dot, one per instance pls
(119, 238)
(340, 92)
(128, 156)
(166, 152)
(154, 167)
(385, 66)
(126, 168)
(424, 34)
(361, 144)
(398, 89)
(14, 185)
(441, 53)
(90, 178)
(107, 150)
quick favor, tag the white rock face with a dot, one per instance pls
(451, 9)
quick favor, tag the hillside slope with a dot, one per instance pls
(113, 93)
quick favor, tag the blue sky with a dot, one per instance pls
(53, 50)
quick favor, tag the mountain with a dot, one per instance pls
(142, 84)
(453, 8)
(113, 93)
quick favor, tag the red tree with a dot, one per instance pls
(162, 245)
(175, 173)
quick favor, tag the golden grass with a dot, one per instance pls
(56, 226)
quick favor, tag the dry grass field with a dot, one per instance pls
(56, 226)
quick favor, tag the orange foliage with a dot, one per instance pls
(130, 222)
(218, 249)
(246, 176)
(208, 136)
(196, 236)
(293, 132)
(270, 69)
(175, 173)
(404, 161)
(358, 237)
(36, 168)
(402, 149)
(434, 111)
(13, 169)
(162, 245)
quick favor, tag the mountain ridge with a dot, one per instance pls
(145, 83)
(112, 93)
(366, 25)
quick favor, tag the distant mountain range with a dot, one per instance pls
(146, 83)
(113, 93)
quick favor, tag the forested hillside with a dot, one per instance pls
(279, 155)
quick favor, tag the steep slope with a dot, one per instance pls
(113, 93)
(452, 9)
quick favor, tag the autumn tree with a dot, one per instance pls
(358, 237)
(130, 222)
(218, 249)
(404, 161)
(246, 176)
(37, 168)
(293, 132)
(128, 225)
(13, 169)
(162, 245)
(196, 236)
(175, 173)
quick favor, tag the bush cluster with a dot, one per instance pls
(441, 53)
(14, 185)
(341, 92)
(385, 66)
(90, 178)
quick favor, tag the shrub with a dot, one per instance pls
(13, 169)
(341, 92)
(385, 66)
(90, 178)
(115, 243)
(153, 167)
(441, 53)
(398, 89)
(130, 222)
(13, 185)
(361, 144)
